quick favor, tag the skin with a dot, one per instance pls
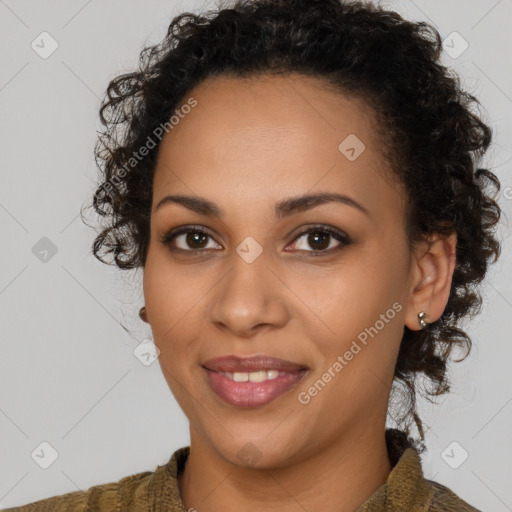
(248, 144)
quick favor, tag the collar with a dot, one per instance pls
(405, 489)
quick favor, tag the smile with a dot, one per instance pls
(252, 389)
(260, 376)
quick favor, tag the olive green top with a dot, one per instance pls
(405, 490)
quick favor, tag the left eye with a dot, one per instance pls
(320, 236)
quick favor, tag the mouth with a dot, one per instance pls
(252, 382)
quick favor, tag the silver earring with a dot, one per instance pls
(421, 319)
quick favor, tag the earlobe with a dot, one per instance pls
(433, 266)
(143, 314)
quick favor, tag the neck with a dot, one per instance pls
(330, 479)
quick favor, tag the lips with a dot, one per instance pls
(231, 378)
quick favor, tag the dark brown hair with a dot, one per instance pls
(432, 137)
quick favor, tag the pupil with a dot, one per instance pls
(192, 238)
(314, 236)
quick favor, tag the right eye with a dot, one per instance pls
(193, 239)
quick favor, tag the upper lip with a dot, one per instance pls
(251, 364)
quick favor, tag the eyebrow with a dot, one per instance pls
(284, 208)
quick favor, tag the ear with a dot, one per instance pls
(431, 278)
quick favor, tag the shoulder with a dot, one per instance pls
(133, 493)
(99, 498)
(442, 499)
(408, 489)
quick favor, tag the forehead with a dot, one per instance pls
(276, 106)
(272, 136)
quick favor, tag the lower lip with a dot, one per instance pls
(252, 394)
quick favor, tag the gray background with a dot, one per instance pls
(68, 373)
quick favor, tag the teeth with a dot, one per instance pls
(240, 377)
(260, 376)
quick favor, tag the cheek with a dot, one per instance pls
(172, 300)
(341, 301)
(170, 294)
(358, 316)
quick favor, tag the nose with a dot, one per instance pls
(249, 298)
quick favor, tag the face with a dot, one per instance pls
(254, 281)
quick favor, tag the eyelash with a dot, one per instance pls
(337, 235)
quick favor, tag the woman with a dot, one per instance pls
(300, 183)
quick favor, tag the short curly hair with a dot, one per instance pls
(430, 135)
